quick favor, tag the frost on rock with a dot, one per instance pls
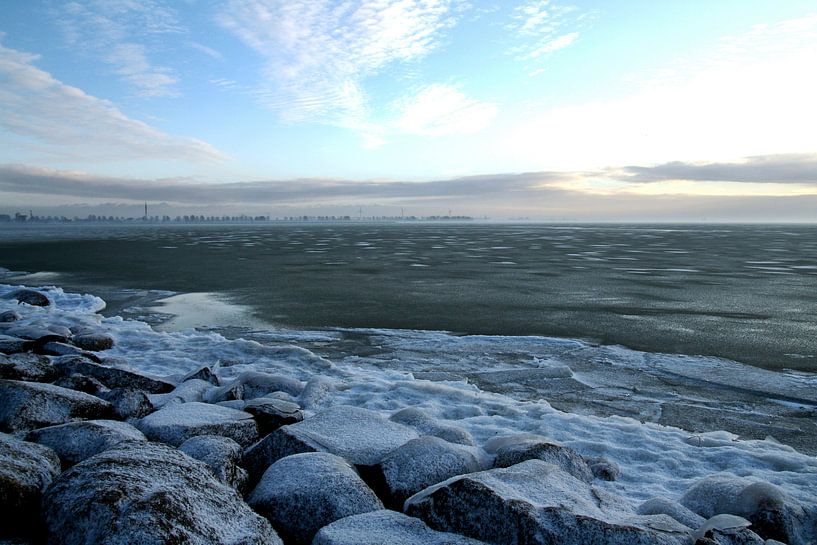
(302, 493)
(513, 450)
(77, 441)
(379, 527)
(175, 423)
(221, 454)
(26, 470)
(186, 392)
(419, 464)
(426, 425)
(149, 494)
(663, 506)
(271, 413)
(128, 403)
(360, 436)
(536, 502)
(27, 366)
(30, 405)
(111, 377)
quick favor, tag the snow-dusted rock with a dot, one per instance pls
(603, 468)
(419, 464)
(111, 377)
(302, 493)
(360, 436)
(14, 345)
(317, 392)
(128, 403)
(81, 383)
(38, 333)
(271, 413)
(221, 454)
(186, 392)
(77, 441)
(426, 425)
(379, 527)
(30, 297)
(202, 373)
(772, 513)
(26, 469)
(30, 405)
(28, 367)
(258, 384)
(536, 502)
(513, 450)
(175, 423)
(60, 349)
(95, 342)
(146, 493)
(233, 391)
(663, 506)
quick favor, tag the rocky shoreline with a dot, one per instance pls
(93, 450)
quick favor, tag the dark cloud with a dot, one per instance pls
(788, 168)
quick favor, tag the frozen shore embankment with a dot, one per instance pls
(116, 433)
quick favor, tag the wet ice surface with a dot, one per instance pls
(496, 386)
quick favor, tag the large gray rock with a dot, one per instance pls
(360, 436)
(28, 367)
(175, 423)
(77, 441)
(30, 297)
(536, 502)
(380, 527)
(95, 342)
(81, 383)
(663, 506)
(517, 449)
(426, 425)
(419, 464)
(31, 405)
(726, 530)
(26, 470)
(271, 413)
(302, 493)
(773, 514)
(221, 454)
(186, 392)
(253, 384)
(14, 345)
(111, 377)
(128, 403)
(150, 494)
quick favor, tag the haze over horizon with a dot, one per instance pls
(577, 110)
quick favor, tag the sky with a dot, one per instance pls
(632, 110)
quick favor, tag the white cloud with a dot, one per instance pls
(751, 95)
(118, 33)
(319, 52)
(63, 121)
(441, 109)
(540, 27)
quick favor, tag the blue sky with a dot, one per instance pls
(189, 95)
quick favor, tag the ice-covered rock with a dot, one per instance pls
(128, 403)
(663, 506)
(233, 391)
(258, 384)
(82, 383)
(30, 405)
(512, 450)
(95, 342)
(30, 297)
(202, 373)
(221, 454)
(147, 493)
(38, 333)
(60, 349)
(302, 493)
(317, 392)
(10, 316)
(14, 345)
(77, 441)
(360, 436)
(28, 367)
(537, 502)
(26, 470)
(186, 392)
(773, 514)
(111, 377)
(603, 468)
(271, 413)
(419, 464)
(426, 425)
(380, 527)
(175, 423)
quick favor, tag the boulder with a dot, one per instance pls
(38, 333)
(14, 345)
(379, 527)
(186, 392)
(30, 297)
(726, 530)
(147, 493)
(317, 393)
(31, 405)
(175, 423)
(270, 413)
(536, 502)
(233, 391)
(111, 377)
(419, 464)
(28, 367)
(663, 506)
(302, 493)
(258, 384)
(81, 383)
(221, 454)
(10, 316)
(516, 449)
(603, 468)
(54, 348)
(26, 470)
(77, 441)
(202, 373)
(95, 342)
(426, 425)
(128, 403)
(360, 436)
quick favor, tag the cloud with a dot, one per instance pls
(440, 109)
(318, 53)
(59, 119)
(540, 27)
(769, 169)
(120, 33)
